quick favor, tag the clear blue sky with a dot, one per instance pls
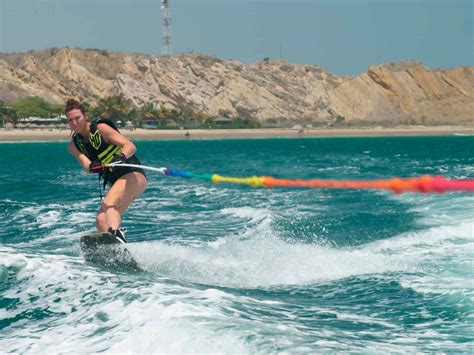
(343, 36)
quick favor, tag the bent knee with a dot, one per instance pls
(101, 222)
(141, 181)
(143, 185)
(110, 201)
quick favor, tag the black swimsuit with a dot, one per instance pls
(95, 147)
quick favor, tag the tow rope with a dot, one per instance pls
(423, 184)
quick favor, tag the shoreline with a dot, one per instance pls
(24, 135)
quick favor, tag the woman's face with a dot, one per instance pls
(76, 120)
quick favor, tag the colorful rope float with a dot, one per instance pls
(424, 184)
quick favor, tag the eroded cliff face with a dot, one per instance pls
(403, 92)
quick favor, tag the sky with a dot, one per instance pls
(343, 36)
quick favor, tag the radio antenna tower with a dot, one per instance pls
(165, 29)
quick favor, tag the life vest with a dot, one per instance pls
(95, 147)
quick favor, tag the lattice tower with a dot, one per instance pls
(165, 29)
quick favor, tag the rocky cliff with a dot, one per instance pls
(269, 91)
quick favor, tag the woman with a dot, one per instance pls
(95, 145)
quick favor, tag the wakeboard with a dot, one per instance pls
(104, 248)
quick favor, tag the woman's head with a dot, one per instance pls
(72, 104)
(76, 115)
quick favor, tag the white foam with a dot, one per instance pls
(440, 284)
(13, 261)
(443, 255)
(439, 210)
(50, 215)
(151, 315)
(251, 213)
(48, 219)
(422, 242)
(156, 326)
(259, 258)
(81, 218)
(152, 318)
(261, 261)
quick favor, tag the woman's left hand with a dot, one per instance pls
(119, 159)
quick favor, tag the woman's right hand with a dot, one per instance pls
(96, 166)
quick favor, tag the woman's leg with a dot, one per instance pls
(100, 221)
(120, 195)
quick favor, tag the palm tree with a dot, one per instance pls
(134, 116)
(7, 114)
(163, 115)
(112, 108)
(148, 112)
(201, 117)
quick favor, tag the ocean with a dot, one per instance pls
(235, 269)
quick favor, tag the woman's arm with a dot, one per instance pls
(111, 136)
(81, 157)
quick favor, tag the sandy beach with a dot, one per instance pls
(22, 135)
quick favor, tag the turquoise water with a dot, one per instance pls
(233, 269)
